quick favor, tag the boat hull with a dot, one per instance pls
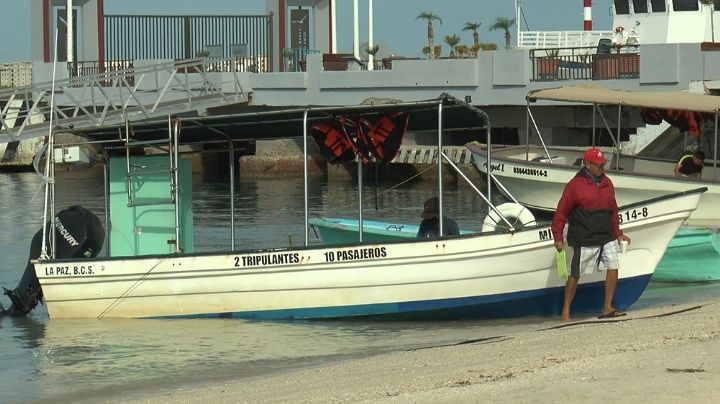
(490, 275)
(692, 256)
(539, 184)
(342, 231)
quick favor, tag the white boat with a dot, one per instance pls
(482, 275)
(535, 175)
(529, 177)
(634, 22)
(503, 273)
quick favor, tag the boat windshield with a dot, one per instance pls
(658, 6)
(640, 6)
(685, 5)
(622, 7)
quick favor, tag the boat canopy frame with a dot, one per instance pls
(256, 123)
(597, 95)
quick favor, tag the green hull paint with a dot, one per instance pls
(343, 231)
(692, 256)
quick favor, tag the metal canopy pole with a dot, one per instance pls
(440, 163)
(594, 124)
(715, 148)
(51, 162)
(360, 197)
(542, 141)
(489, 160)
(619, 147)
(232, 197)
(527, 133)
(490, 205)
(50, 170)
(607, 128)
(176, 184)
(305, 175)
(106, 190)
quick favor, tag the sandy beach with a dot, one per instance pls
(664, 354)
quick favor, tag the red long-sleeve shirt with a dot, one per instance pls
(582, 192)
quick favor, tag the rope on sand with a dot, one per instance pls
(502, 338)
(620, 320)
(499, 338)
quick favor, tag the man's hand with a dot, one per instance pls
(559, 245)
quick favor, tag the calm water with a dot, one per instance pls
(63, 360)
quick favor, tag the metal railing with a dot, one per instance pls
(184, 36)
(295, 58)
(108, 98)
(86, 68)
(236, 64)
(560, 39)
(585, 63)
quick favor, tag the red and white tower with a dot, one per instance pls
(587, 13)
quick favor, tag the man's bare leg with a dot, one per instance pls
(610, 284)
(570, 287)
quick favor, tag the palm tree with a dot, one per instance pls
(711, 6)
(473, 26)
(504, 24)
(430, 17)
(452, 40)
(371, 51)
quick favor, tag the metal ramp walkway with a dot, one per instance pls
(418, 154)
(112, 97)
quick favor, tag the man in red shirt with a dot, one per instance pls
(588, 204)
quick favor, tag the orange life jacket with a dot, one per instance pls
(341, 139)
(333, 141)
(685, 121)
(384, 136)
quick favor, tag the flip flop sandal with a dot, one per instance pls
(613, 314)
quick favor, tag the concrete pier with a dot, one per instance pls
(282, 158)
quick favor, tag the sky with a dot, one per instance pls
(394, 20)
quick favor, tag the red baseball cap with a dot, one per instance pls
(594, 156)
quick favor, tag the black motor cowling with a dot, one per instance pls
(78, 234)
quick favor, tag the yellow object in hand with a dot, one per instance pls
(561, 259)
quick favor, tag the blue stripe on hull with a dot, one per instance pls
(588, 299)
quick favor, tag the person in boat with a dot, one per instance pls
(690, 164)
(620, 38)
(430, 225)
(588, 204)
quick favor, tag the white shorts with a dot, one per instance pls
(586, 260)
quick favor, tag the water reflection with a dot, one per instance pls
(98, 354)
(56, 357)
(66, 357)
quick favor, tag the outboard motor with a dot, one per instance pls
(78, 234)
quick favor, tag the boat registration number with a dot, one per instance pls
(632, 214)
